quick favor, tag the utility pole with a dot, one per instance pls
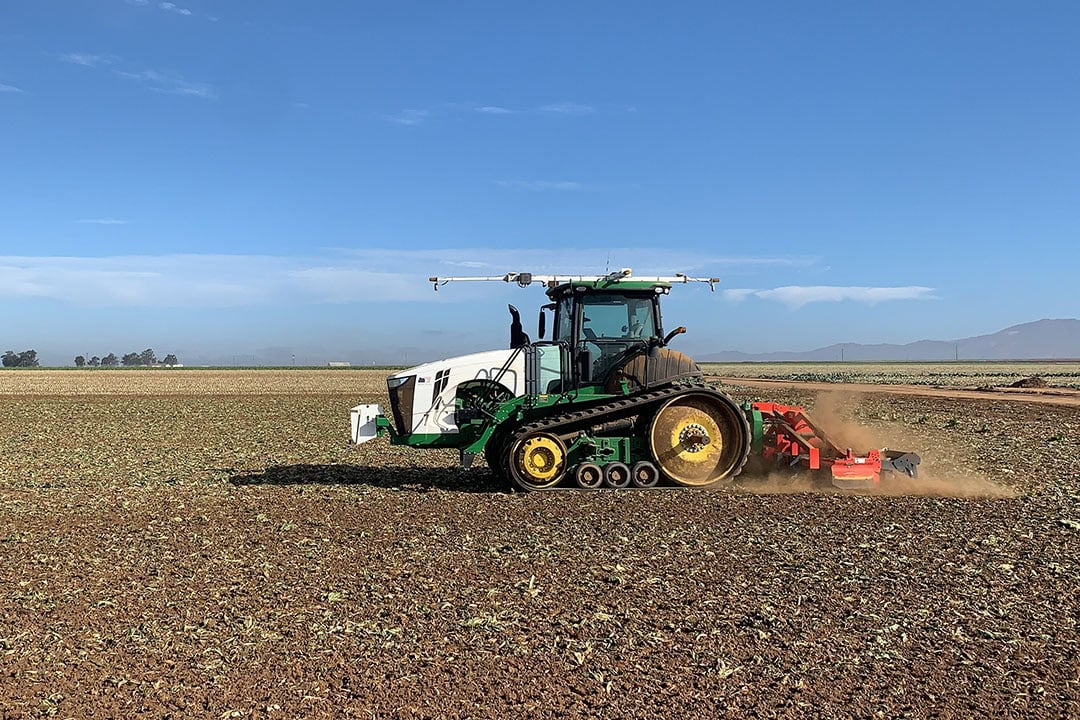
(841, 353)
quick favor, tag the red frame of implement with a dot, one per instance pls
(792, 438)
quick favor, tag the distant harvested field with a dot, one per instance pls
(967, 375)
(206, 544)
(190, 382)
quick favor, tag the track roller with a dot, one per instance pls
(616, 475)
(537, 461)
(588, 476)
(644, 474)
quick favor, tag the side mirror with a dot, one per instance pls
(542, 329)
(677, 331)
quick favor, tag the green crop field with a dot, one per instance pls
(942, 374)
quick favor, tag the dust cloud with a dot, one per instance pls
(930, 483)
(935, 482)
(829, 414)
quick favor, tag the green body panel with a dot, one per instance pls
(425, 440)
(603, 450)
(420, 440)
(757, 428)
(473, 436)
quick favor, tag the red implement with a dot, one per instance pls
(790, 438)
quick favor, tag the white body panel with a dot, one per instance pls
(436, 386)
(363, 423)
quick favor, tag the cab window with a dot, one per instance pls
(564, 317)
(617, 317)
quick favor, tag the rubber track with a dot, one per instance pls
(576, 420)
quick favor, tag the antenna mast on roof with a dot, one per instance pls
(524, 279)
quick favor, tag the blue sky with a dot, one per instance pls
(256, 180)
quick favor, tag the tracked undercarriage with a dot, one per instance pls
(684, 434)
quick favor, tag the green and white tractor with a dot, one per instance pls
(603, 402)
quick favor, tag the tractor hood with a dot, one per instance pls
(422, 397)
(427, 371)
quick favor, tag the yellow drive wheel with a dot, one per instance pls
(537, 461)
(698, 439)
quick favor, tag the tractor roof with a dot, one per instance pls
(557, 285)
(557, 290)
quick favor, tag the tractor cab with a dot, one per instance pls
(607, 335)
(600, 327)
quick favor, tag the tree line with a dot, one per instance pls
(27, 358)
(146, 358)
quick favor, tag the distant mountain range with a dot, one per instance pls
(1039, 340)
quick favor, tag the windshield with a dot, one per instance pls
(617, 317)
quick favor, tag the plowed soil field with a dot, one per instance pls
(206, 544)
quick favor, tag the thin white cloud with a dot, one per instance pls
(545, 184)
(571, 260)
(737, 294)
(415, 117)
(408, 117)
(567, 108)
(171, 84)
(343, 283)
(10, 89)
(558, 108)
(102, 221)
(786, 260)
(88, 59)
(170, 8)
(173, 8)
(564, 185)
(796, 296)
(191, 280)
(150, 79)
(368, 276)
